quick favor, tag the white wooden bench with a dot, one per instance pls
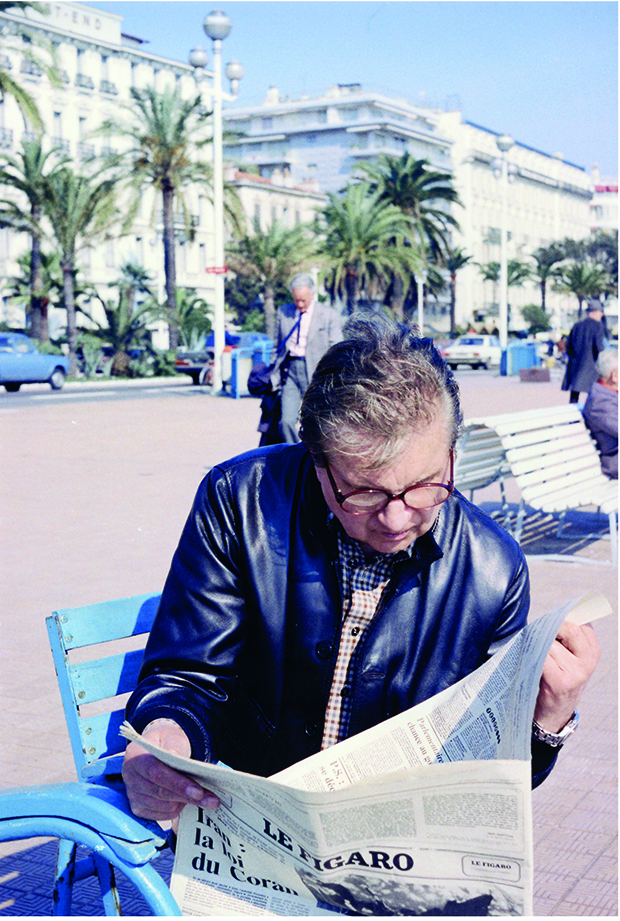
(555, 463)
(481, 460)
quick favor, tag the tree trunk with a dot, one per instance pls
(69, 298)
(543, 294)
(270, 311)
(350, 285)
(398, 298)
(38, 315)
(453, 304)
(170, 263)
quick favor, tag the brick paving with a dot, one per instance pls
(93, 495)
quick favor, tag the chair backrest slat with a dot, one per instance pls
(107, 677)
(96, 683)
(109, 620)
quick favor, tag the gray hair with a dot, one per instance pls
(303, 280)
(374, 390)
(607, 363)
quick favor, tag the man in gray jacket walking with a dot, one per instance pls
(308, 328)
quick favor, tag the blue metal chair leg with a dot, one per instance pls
(63, 881)
(107, 884)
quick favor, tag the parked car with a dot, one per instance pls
(477, 351)
(22, 363)
(198, 363)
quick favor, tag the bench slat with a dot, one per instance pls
(548, 465)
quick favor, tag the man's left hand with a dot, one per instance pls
(568, 666)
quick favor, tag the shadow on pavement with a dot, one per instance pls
(26, 880)
(581, 531)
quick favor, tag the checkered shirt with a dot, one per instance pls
(362, 582)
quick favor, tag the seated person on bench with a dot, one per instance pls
(601, 411)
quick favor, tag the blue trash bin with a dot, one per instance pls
(243, 359)
(517, 356)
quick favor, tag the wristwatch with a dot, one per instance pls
(555, 739)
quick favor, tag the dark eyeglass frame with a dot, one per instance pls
(341, 498)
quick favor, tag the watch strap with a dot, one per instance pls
(555, 739)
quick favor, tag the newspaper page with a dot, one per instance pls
(486, 715)
(429, 812)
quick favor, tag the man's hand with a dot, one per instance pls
(155, 790)
(568, 666)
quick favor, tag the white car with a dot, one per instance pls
(475, 351)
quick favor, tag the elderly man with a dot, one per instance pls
(320, 588)
(306, 329)
(601, 411)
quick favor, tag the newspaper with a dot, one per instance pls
(427, 813)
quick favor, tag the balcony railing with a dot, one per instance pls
(84, 82)
(61, 144)
(86, 151)
(30, 68)
(106, 86)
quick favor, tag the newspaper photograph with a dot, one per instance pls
(426, 813)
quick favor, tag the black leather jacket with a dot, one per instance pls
(244, 644)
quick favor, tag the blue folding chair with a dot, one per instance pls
(94, 812)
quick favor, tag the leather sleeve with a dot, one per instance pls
(200, 620)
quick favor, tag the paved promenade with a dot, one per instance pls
(93, 496)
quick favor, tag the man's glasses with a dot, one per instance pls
(365, 501)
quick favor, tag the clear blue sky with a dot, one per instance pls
(545, 72)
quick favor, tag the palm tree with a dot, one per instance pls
(29, 173)
(582, 280)
(80, 211)
(490, 271)
(126, 325)
(517, 272)
(421, 193)
(271, 256)
(165, 133)
(9, 86)
(363, 243)
(193, 317)
(546, 259)
(454, 260)
(19, 289)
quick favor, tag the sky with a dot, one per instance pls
(545, 72)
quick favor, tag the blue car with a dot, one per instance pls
(22, 363)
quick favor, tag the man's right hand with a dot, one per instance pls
(155, 790)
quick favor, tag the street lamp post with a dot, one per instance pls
(217, 26)
(504, 172)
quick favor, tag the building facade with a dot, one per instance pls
(98, 66)
(284, 156)
(604, 204)
(324, 139)
(547, 199)
(327, 137)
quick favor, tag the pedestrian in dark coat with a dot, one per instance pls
(586, 339)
